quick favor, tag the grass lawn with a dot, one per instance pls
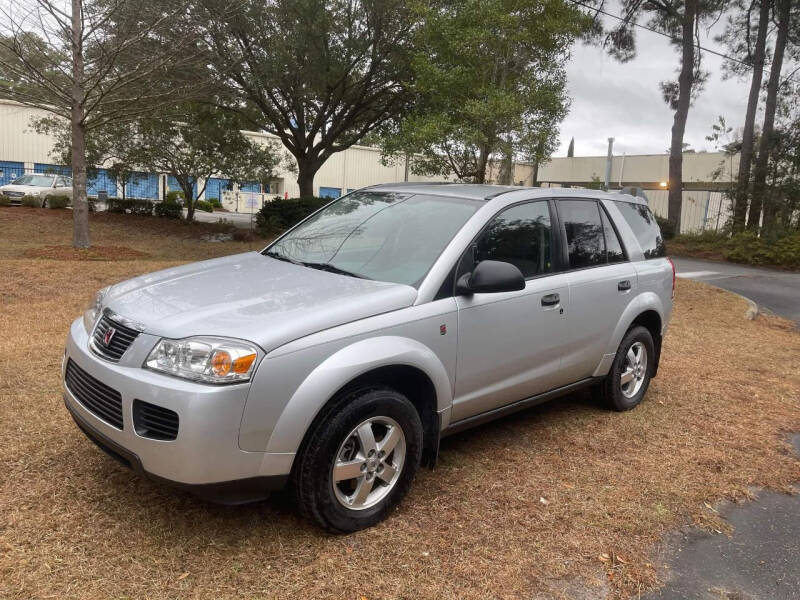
(564, 500)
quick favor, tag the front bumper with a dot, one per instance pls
(205, 456)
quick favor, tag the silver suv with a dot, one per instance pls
(335, 359)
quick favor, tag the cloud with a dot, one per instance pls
(610, 99)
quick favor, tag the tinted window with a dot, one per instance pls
(645, 228)
(613, 246)
(520, 235)
(584, 229)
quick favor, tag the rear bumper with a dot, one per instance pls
(237, 491)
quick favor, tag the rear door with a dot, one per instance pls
(601, 284)
(510, 343)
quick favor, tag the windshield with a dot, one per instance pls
(35, 180)
(384, 236)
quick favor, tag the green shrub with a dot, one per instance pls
(32, 201)
(777, 250)
(176, 197)
(748, 248)
(130, 205)
(214, 202)
(58, 201)
(281, 214)
(168, 209)
(204, 206)
(5, 200)
(667, 229)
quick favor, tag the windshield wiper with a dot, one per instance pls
(332, 269)
(283, 257)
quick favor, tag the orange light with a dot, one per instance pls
(221, 363)
(663, 184)
(242, 364)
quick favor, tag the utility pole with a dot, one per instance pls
(609, 160)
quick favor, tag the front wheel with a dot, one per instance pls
(631, 371)
(359, 460)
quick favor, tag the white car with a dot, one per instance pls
(41, 186)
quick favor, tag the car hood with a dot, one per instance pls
(251, 296)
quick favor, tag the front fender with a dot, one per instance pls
(343, 367)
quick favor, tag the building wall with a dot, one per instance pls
(645, 170)
(18, 140)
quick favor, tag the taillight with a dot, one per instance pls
(672, 264)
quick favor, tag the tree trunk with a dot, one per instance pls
(306, 170)
(760, 172)
(483, 160)
(746, 158)
(685, 81)
(80, 203)
(189, 200)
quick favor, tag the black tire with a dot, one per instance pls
(612, 386)
(312, 475)
(44, 202)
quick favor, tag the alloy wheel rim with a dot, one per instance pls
(368, 463)
(634, 370)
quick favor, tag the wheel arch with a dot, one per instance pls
(404, 364)
(646, 310)
(651, 320)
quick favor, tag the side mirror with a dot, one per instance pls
(491, 276)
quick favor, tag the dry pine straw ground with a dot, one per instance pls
(73, 523)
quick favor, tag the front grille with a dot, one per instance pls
(155, 422)
(94, 395)
(14, 194)
(121, 340)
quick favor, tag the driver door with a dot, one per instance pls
(510, 343)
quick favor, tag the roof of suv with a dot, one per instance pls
(477, 191)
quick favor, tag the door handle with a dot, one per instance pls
(550, 300)
(624, 285)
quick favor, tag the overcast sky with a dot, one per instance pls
(623, 101)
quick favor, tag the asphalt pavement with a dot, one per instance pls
(777, 291)
(761, 560)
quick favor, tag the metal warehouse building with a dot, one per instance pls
(23, 150)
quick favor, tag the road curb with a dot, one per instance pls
(752, 308)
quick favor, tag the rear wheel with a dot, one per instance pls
(359, 460)
(631, 371)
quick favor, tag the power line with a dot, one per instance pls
(668, 36)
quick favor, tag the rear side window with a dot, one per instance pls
(644, 227)
(584, 229)
(613, 246)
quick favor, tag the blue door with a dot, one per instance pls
(142, 185)
(174, 186)
(215, 187)
(330, 192)
(101, 182)
(10, 170)
(252, 187)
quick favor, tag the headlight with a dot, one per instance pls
(209, 360)
(94, 309)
